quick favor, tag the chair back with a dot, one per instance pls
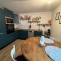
(13, 53)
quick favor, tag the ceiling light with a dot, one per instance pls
(49, 1)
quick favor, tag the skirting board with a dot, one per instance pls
(56, 39)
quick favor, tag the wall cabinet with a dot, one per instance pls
(8, 13)
(16, 18)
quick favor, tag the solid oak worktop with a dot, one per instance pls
(28, 29)
(32, 50)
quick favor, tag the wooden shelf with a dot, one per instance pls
(33, 21)
(44, 24)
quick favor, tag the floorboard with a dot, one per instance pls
(5, 52)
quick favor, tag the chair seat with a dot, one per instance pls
(21, 58)
(49, 41)
(53, 52)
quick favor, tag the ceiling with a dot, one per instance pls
(28, 6)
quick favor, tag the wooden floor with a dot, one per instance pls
(5, 52)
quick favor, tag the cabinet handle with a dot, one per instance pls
(1, 33)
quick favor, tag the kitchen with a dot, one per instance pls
(17, 25)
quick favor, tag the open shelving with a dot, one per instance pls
(34, 21)
(43, 24)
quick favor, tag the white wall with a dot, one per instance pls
(45, 16)
(56, 27)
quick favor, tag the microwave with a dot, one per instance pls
(9, 20)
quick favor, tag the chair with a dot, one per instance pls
(13, 53)
(18, 58)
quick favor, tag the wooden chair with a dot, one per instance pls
(18, 58)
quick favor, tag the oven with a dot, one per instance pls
(9, 25)
(10, 28)
(9, 20)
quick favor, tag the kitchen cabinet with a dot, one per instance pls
(10, 37)
(5, 38)
(16, 18)
(3, 35)
(37, 33)
(23, 34)
(8, 13)
(15, 35)
(2, 21)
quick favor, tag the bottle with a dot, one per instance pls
(42, 40)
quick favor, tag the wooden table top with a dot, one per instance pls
(32, 50)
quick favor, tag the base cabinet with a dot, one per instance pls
(37, 33)
(3, 40)
(15, 35)
(6, 39)
(22, 34)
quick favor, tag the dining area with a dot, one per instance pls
(32, 33)
(33, 50)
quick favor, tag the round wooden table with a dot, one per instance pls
(32, 50)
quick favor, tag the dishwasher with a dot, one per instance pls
(30, 34)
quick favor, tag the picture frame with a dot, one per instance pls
(57, 16)
(60, 20)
